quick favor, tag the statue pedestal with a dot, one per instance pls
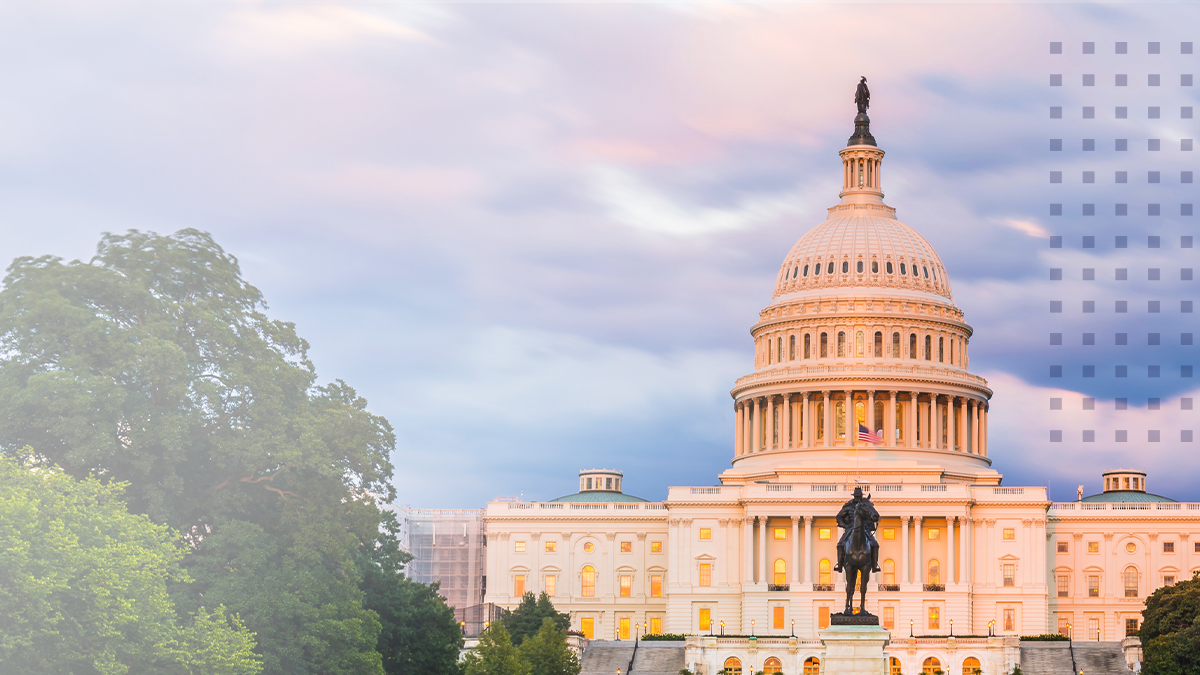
(855, 650)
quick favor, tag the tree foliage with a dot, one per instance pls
(1170, 631)
(526, 620)
(83, 586)
(495, 655)
(547, 652)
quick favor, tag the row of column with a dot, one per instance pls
(910, 525)
(757, 418)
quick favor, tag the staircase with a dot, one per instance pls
(1046, 658)
(659, 658)
(604, 657)
(1100, 658)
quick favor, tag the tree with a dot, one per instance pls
(154, 363)
(526, 620)
(495, 655)
(83, 586)
(1170, 631)
(547, 652)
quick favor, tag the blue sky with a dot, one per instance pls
(535, 236)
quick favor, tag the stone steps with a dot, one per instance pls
(659, 658)
(604, 657)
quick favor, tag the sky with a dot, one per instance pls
(535, 236)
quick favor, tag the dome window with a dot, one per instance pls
(889, 268)
(860, 267)
(902, 270)
(817, 270)
(829, 269)
(795, 271)
(845, 267)
(935, 274)
(926, 272)
(874, 267)
(806, 270)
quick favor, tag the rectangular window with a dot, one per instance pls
(519, 585)
(551, 547)
(706, 533)
(627, 547)
(1010, 620)
(705, 574)
(823, 533)
(822, 617)
(1063, 621)
(588, 626)
(889, 617)
(1009, 534)
(626, 585)
(607, 483)
(935, 618)
(1093, 586)
(656, 547)
(520, 546)
(1093, 628)
(623, 628)
(1093, 547)
(889, 533)
(656, 585)
(780, 533)
(705, 619)
(1168, 547)
(1010, 574)
(655, 625)
(777, 617)
(1131, 627)
(934, 533)
(551, 584)
(1063, 582)
(1169, 580)
(1062, 547)
(1131, 582)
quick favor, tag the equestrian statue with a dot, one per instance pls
(857, 550)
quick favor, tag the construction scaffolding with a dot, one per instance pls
(448, 548)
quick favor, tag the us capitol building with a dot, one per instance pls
(862, 329)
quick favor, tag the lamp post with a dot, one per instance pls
(951, 627)
(462, 626)
(991, 627)
(1097, 635)
(793, 628)
(1069, 632)
(722, 628)
(637, 636)
(910, 628)
(710, 625)
(751, 627)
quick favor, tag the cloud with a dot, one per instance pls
(1028, 227)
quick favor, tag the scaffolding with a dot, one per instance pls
(448, 547)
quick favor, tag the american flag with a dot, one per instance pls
(865, 435)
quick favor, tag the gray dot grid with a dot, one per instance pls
(1131, 342)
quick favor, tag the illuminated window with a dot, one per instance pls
(588, 628)
(1010, 574)
(823, 572)
(822, 617)
(928, 350)
(656, 585)
(626, 585)
(841, 343)
(889, 533)
(932, 665)
(780, 572)
(705, 618)
(895, 344)
(705, 574)
(777, 617)
(824, 345)
(1009, 534)
(893, 662)
(1131, 627)
(706, 533)
(971, 666)
(878, 340)
(551, 584)
(1063, 584)
(1093, 586)
(655, 625)
(519, 585)
(589, 547)
(889, 572)
(1063, 622)
(812, 666)
(656, 547)
(1010, 620)
(772, 666)
(792, 348)
(520, 546)
(1168, 547)
(912, 345)
(934, 533)
(858, 344)
(551, 547)
(780, 533)
(935, 572)
(1062, 547)
(1131, 547)
(627, 547)
(935, 618)
(823, 533)
(588, 587)
(889, 617)
(1093, 547)
(623, 628)
(732, 665)
(839, 420)
(1131, 582)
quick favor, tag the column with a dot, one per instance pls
(762, 549)
(851, 421)
(984, 435)
(951, 576)
(975, 447)
(968, 527)
(808, 550)
(806, 422)
(911, 416)
(951, 423)
(785, 430)
(872, 423)
(737, 429)
(964, 437)
(889, 415)
(756, 422)
(918, 559)
(904, 575)
(795, 550)
(769, 441)
(827, 420)
(935, 422)
(989, 560)
(748, 548)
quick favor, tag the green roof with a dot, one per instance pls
(599, 496)
(1126, 496)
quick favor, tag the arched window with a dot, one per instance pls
(795, 271)
(792, 348)
(819, 417)
(780, 572)
(812, 666)
(807, 345)
(772, 666)
(926, 271)
(1131, 582)
(928, 348)
(824, 345)
(860, 267)
(779, 351)
(902, 270)
(858, 349)
(817, 270)
(839, 420)
(874, 267)
(588, 587)
(841, 343)
(823, 574)
(845, 267)
(935, 572)
(829, 268)
(806, 270)
(912, 345)
(931, 666)
(951, 351)
(889, 268)
(878, 344)
(889, 572)
(894, 666)
(941, 350)
(971, 666)
(895, 345)
(733, 666)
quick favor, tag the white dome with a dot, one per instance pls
(860, 248)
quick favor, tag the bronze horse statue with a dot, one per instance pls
(858, 559)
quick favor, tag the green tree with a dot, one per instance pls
(1170, 631)
(154, 363)
(547, 652)
(526, 620)
(83, 586)
(495, 655)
